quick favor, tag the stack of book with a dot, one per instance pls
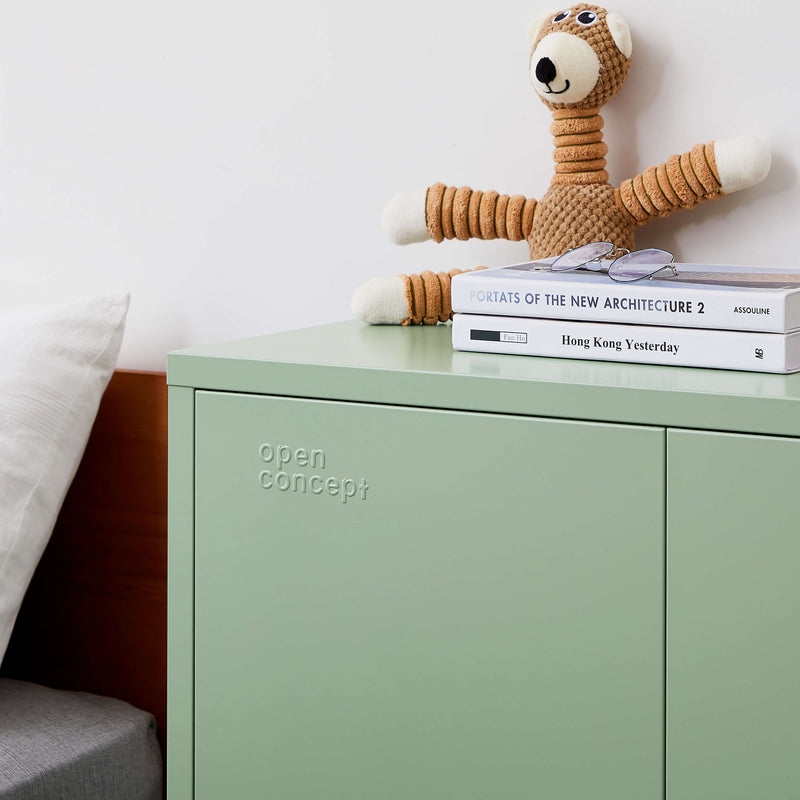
(705, 316)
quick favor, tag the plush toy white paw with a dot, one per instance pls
(404, 217)
(741, 162)
(381, 301)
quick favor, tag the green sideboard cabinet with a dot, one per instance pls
(401, 572)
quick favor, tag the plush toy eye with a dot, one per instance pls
(561, 17)
(586, 18)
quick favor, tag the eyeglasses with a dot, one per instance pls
(626, 267)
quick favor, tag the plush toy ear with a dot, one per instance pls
(536, 25)
(620, 33)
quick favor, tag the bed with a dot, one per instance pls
(83, 678)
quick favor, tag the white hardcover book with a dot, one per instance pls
(700, 296)
(645, 344)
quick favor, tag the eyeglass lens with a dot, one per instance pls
(581, 256)
(639, 264)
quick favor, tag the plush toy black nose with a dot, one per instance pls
(545, 70)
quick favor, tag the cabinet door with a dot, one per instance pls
(733, 549)
(396, 604)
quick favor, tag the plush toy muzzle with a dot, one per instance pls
(564, 68)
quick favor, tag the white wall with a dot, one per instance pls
(228, 161)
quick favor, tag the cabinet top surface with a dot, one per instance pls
(417, 366)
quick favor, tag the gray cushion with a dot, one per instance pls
(67, 745)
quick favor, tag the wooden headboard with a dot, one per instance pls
(94, 617)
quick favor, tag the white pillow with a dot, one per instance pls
(55, 363)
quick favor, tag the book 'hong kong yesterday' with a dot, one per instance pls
(700, 296)
(754, 351)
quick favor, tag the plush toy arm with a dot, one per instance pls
(446, 212)
(706, 172)
(422, 299)
(682, 182)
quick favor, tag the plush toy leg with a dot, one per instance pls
(418, 299)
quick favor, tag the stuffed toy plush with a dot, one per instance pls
(580, 57)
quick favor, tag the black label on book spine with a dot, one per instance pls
(484, 336)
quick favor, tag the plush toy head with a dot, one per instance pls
(580, 57)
